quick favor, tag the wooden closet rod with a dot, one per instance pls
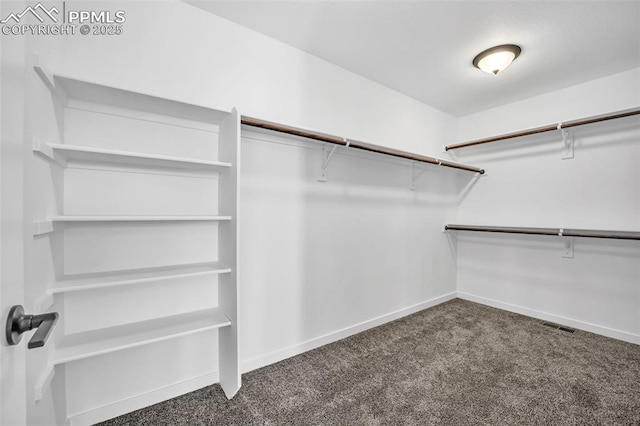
(357, 145)
(561, 232)
(549, 128)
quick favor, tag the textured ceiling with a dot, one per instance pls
(424, 49)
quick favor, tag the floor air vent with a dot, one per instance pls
(559, 327)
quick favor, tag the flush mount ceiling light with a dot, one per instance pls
(497, 58)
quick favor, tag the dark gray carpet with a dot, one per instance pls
(458, 363)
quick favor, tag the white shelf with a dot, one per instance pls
(46, 226)
(87, 154)
(126, 278)
(131, 107)
(136, 218)
(70, 87)
(99, 342)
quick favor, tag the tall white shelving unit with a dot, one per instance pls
(144, 246)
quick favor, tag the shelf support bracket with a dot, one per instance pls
(45, 151)
(44, 382)
(567, 143)
(567, 250)
(326, 158)
(48, 81)
(415, 174)
(42, 227)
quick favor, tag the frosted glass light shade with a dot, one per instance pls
(497, 58)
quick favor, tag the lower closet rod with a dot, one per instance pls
(357, 145)
(562, 232)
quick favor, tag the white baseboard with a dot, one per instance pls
(128, 405)
(288, 352)
(580, 325)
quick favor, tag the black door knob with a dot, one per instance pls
(18, 323)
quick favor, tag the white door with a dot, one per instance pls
(26, 396)
(12, 358)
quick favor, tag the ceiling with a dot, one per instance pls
(424, 48)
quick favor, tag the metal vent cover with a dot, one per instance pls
(559, 327)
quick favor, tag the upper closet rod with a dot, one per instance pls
(587, 233)
(549, 128)
(357, 145)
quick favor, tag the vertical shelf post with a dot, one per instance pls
(229, 150)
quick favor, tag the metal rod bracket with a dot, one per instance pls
(567, 250)
(326, 158)
(567, 143)
(415, 174)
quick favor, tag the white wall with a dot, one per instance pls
(528, 184)
(321, 261)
